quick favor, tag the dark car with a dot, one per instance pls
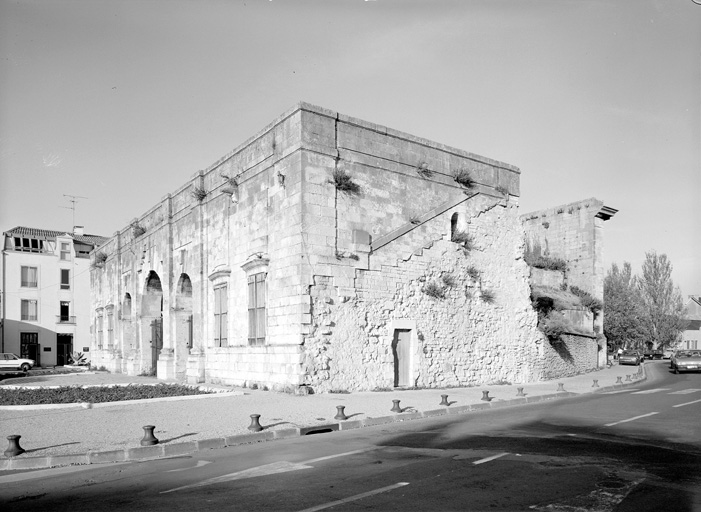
(647, 354)
(657, 354)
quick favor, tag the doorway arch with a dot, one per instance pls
(152, 318)
(183, 324)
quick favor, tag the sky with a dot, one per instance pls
(120, 102)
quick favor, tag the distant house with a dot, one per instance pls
(691, 337)
(46, 293)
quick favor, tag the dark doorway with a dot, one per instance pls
(401, 351)
(156, 340)
(29, 346)
(64, 349)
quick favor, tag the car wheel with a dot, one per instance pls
(25, 367)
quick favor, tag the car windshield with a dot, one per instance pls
(629, 353)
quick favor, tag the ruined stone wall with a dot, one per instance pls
(571, 356)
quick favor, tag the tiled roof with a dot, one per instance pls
(49, 234)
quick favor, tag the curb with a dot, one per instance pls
(158, 451)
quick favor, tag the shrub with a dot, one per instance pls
(433, 289)
(343, 182)
(199, 193)
(502, 189)
(462, 177)
(100, 259)
(74, 394)
(554, 325)
(137, 229)
(423, 170)
(487, 296)
(472, 272)
(448, 280)
(462, 238)
(547, 263)
(78, 358)
(588, 300)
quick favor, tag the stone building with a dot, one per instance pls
(574, 233)
(326, 253)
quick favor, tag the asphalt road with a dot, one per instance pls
(636, 449)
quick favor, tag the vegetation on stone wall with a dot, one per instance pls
(434, 289)
(588, 301)
(100, 259)
(137, 229)
(487, 296)
(199, 194)
(343, 182)
(463, 239)
(462, 177)
(549, 303)
(537, 258)
(423, 170)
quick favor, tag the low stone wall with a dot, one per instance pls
(573, 355)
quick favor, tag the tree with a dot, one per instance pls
(662, 302)
(623, 308)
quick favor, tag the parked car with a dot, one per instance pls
(657, 354)
(667, 354)
(686, 361)
(9, 361)
(630, 357)
(647, 354)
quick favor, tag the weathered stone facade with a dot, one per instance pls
(573, 232)
(263, 270)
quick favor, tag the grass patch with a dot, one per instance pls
(199, 193)
(588, 301)
(433, 289)
(487, 296)
(462, 238)
(76, 395)
(423, 170)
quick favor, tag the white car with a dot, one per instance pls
(9, 361)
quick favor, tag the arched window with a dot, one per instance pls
(126, 306)
(453, 225)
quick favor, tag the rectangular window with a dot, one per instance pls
(29, 277)
(110, 330)
(65, 251)
(256, 309)
(64, 311)
(29, 310)
(99, 331)
(221, 310)
(65, 279)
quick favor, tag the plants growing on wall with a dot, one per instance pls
(100, 259)
(137, 229)
(536, 257)
(549, 303)
(588, 301)
(487, 296)
(463, 239)
(424, 171)
(343, 182)
(433, 289)
(472, 272)
(462, 177)
(502, 190)
(199, 194)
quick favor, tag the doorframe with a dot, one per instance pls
(408, 325)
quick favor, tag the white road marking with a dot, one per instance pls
(310, 461)
(631, 419)
(200, 463)
(619, 391)
(650, 391)
(684, 392)
(268, 469)
(31, 475)
(688, 403)
(356, 497)
(487, 459)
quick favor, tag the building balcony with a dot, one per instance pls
(64, 319)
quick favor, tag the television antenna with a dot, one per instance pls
(73, 200)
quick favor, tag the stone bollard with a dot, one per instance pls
(520, 392)
(395, 406)
(486, 397)
(13, 447)
(560, 386)
(619, 380)
(596, 383)
(444, 400)
(149, 439)
(628, 379)
(255, 423)
(340, 414)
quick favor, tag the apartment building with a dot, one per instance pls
(46, 293)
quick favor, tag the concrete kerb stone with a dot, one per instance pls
(169, 450)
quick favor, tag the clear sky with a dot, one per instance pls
(120, 102)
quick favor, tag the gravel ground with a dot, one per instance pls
(75, 429)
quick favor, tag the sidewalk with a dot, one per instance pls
(57, 435)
